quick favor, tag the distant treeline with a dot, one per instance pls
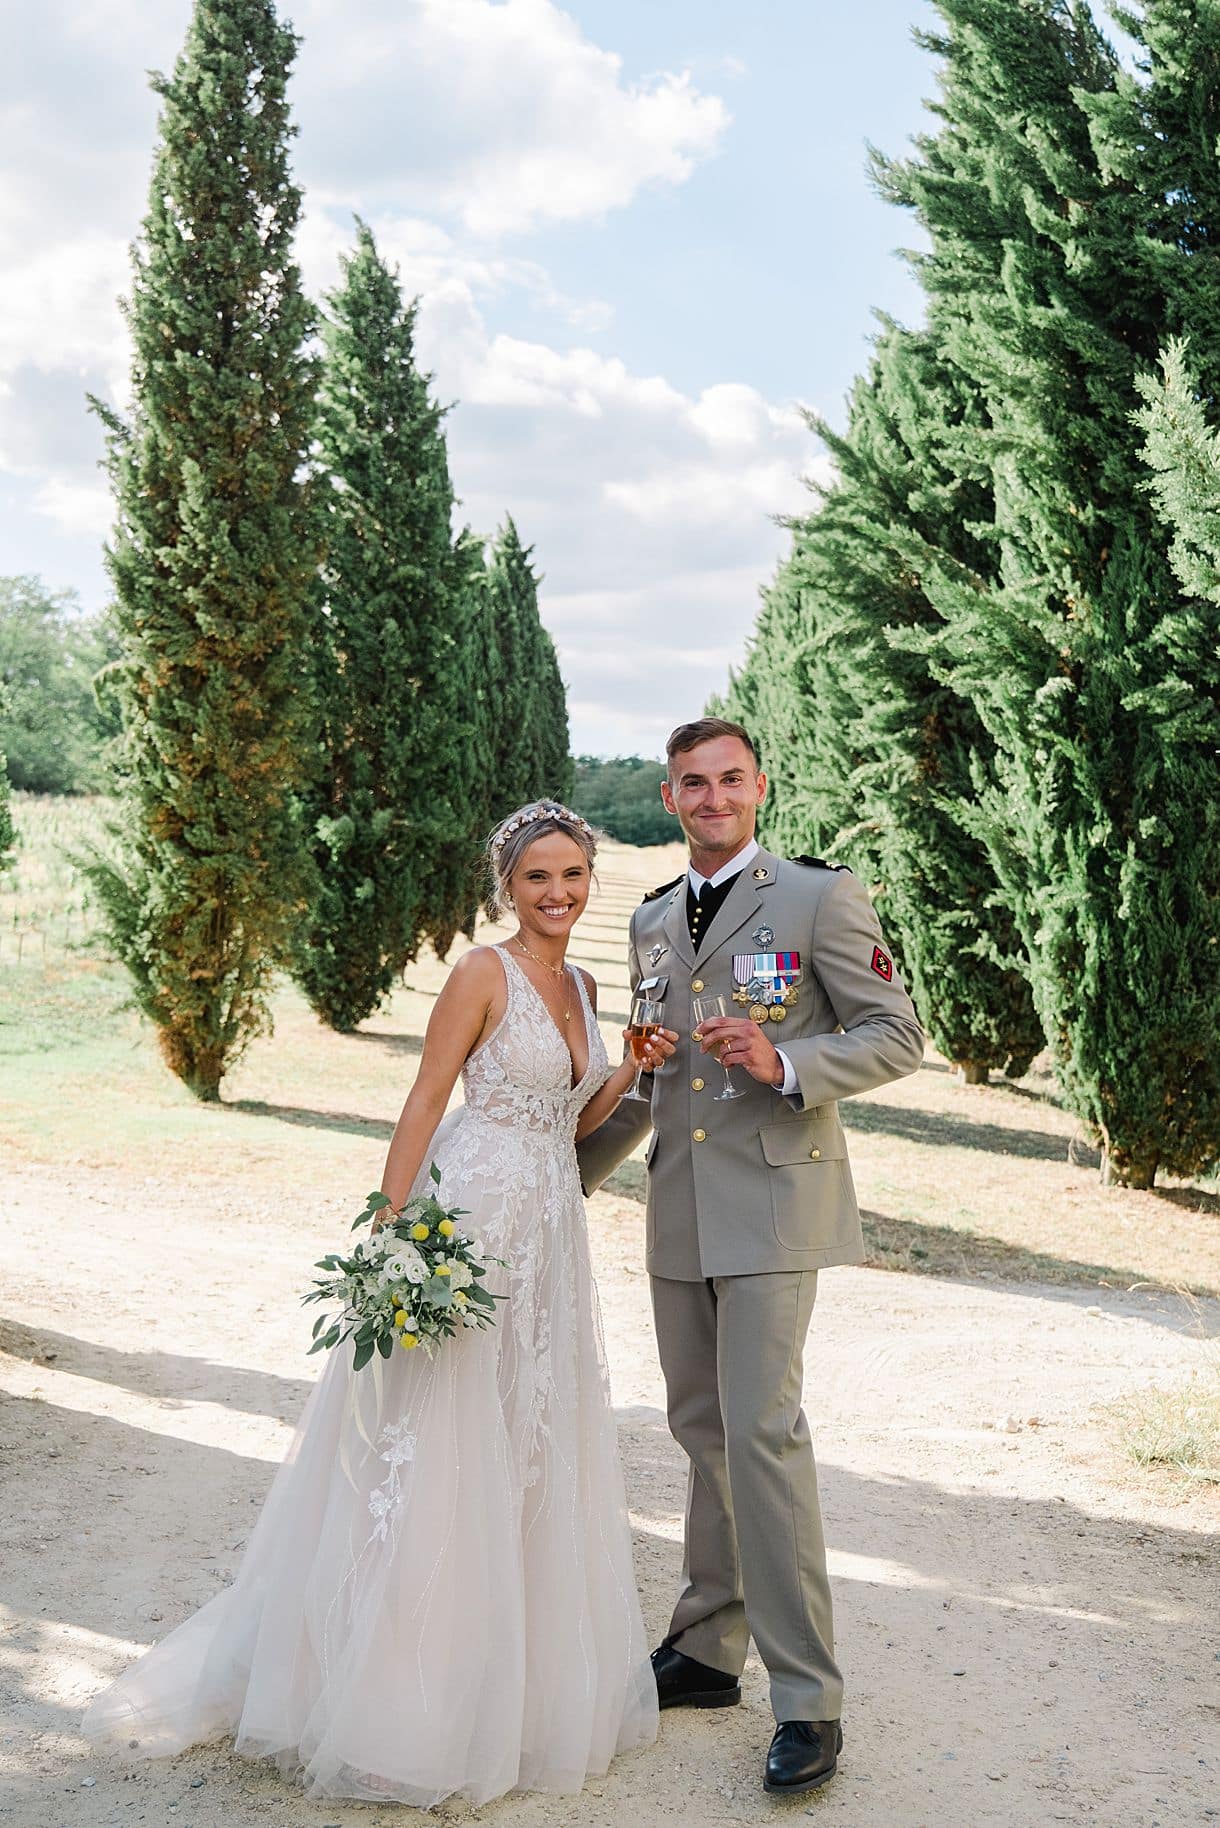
(53, 725)
(622, 797)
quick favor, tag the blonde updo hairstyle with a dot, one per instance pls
(514, 835)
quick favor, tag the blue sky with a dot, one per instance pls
(642, 234)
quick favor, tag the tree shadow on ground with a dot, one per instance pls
(939, 1131)
(173, 1378)
(393, 1044)
(349, 1123)
(943, 1250)
(1028, 1596)
(917, 1248)
(620, 1016)
(584, 954)
(1190, 1199)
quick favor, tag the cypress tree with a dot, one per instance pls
(393, 825)
(213, 555)
(1052, 283)
(556, 767)
(529, 732)
(452, 891)
(1182, 449)
(905, 477)
(786, 694)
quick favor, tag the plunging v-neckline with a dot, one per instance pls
(579, 1079)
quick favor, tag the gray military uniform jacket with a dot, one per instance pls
(761, 1183)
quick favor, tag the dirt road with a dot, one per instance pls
(1021, 1621)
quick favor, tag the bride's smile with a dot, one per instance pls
(550, 890)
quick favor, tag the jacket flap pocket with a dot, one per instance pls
(786, 1143)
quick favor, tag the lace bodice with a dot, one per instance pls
(522, 1074)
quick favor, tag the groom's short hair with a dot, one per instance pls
(706, 730)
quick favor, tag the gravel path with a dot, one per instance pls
(1021, 1618)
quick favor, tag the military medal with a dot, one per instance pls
(767, 982)
(762, 936)
(656, 954)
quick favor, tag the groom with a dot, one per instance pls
(747, 1200)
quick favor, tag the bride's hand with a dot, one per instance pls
(385, 1215)
(657, 1048)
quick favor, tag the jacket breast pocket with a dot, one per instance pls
(806, 1162)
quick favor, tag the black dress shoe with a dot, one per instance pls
(804, 1754)
(681, 1682)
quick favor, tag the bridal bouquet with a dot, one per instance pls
(414, 1281)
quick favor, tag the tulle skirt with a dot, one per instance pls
(438, 1596)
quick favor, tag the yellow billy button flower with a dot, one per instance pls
(442, 1269)
(408, 1341)
(419, 1232)
(446, 1228)
(400, 1319)
(460, 1297)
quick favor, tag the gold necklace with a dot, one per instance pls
(559, 971)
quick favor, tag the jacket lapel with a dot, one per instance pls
(740, 905)
(674, 925)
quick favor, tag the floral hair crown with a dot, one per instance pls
(550, 809)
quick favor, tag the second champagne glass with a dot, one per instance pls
(647, 1015)
(705, 1008)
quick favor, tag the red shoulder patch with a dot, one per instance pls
(883, 966)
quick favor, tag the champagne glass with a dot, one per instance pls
(705, 1008)
(647, 1016)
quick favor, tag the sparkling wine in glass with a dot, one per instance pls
(705, 1008)
(647, 1016)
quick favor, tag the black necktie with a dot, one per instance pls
(701, 909)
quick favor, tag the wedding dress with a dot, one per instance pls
(438, 1594)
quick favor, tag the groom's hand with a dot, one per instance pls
(736, 1042)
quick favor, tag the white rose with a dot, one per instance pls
(459, 1275)
(414, 1269)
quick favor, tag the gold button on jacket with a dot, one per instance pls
(696, 984)
(699, 1135)
(696, 1085)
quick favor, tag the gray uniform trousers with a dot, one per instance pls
(747, 1201)
(729, 1346)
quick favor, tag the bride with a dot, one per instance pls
(438, 1595)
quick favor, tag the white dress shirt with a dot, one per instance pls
(734, 867)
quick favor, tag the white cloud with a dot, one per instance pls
(430, 260)
(500, 113)
(78, 508)
(449, 125)
(651, 511)
(60, 302)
